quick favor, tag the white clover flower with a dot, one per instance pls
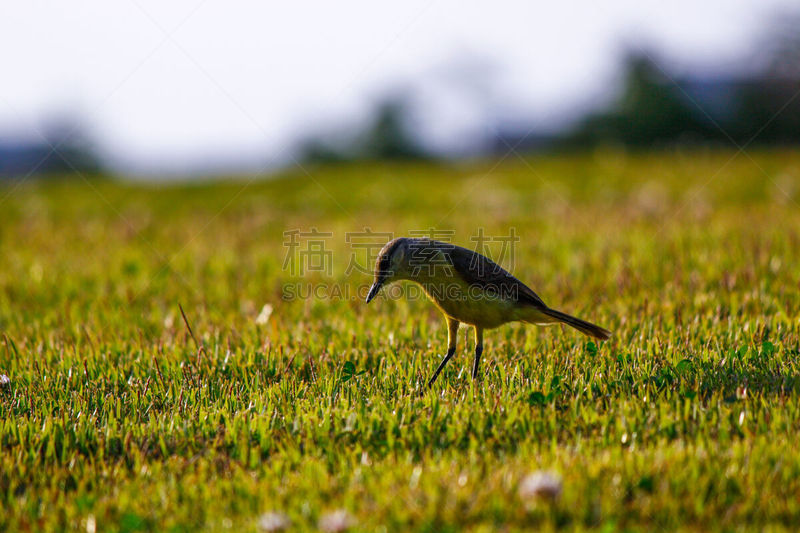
(4, 380)
(264, 315)
(541, 485)
(336, 521)
(273, 521)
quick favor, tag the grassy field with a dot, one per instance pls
(117, 418)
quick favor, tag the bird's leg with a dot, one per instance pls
(478, 351)
(452, 337)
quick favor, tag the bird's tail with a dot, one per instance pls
(587, 328)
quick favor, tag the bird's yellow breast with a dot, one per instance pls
(469, 303)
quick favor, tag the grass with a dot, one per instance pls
(116, 418)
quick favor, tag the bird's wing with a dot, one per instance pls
(477, 269)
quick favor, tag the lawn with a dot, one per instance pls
(187, 357)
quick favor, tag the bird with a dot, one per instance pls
(468, 288)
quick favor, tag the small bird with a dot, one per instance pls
(467, 287)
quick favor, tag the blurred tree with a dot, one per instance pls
(761, 105)
(73, 151)
(769, 102)
(388, 135)
(650, 110)
(63, 148)
(320, 150)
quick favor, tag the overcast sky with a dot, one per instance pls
(168, 86)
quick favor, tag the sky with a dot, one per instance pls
(173, 87)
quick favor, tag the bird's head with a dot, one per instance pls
(391, 265)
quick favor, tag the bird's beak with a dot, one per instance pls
(373, 291)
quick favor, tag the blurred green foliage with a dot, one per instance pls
(388, 136)
(753, 103)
